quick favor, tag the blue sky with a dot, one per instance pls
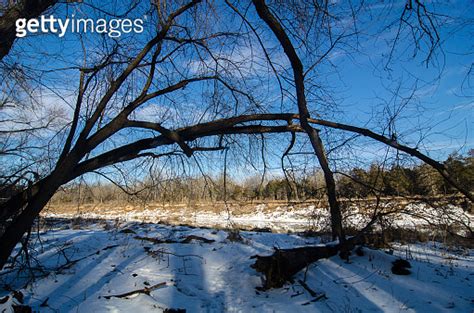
(443, 102)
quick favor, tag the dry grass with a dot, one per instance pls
(238, 207)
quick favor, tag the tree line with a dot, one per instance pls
(396, 180)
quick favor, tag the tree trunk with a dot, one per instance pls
(21, 9)
(15, 230)
(25, 207)
(336, 216)
(304, 116)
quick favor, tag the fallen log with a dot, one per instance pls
(145, 291)
(188, 239)
(191, 238)
(280, 267)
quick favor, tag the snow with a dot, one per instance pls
(284, 218)
(217, 277)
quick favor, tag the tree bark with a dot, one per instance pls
(15, 230)
(22, 9)
(30, 202)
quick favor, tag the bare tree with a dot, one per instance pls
(135, 94)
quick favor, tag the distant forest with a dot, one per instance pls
(376, 180)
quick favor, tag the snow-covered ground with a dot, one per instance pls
(108, 258)
(281, 218)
